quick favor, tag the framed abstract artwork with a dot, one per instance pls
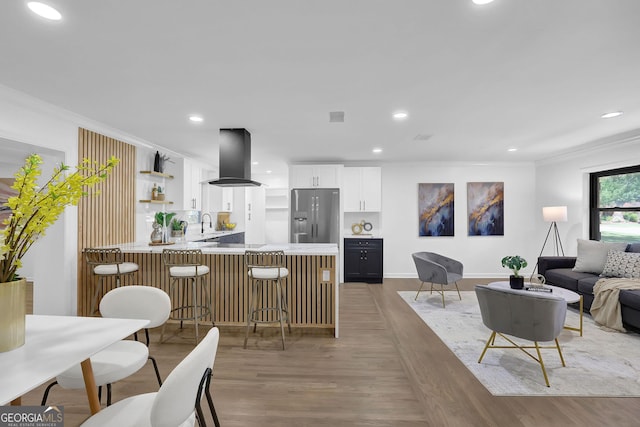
(485, 208)
(435, 210)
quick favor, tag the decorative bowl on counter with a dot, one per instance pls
(229, 225)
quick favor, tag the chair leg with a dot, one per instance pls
(544, 371)
(155, 368)
(279, 304)
(421, 285)
(94, 300)
(258, 302)
(252, 302)
(109, 394)
(196, 310)
(442, 293)
(458, 289)
(489, 342)
(46, 393)
(182, 303)
(285, 308)
(560, 352)
(207, 300)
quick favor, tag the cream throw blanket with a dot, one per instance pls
(605, 309)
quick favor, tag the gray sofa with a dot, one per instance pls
(558, 271)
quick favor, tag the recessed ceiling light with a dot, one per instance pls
(254, 163)
(400, 115)
(44, 10)
(196, 119)
(269, 171)
(481, 2)
(511, 150)
(611, 114)
(377, 150)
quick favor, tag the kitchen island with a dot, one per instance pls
(312, 284)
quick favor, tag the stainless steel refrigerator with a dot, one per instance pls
(315, 215)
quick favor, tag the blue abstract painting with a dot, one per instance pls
(435, 209)
(485, 207)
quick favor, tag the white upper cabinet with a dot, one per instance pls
(220, 199)
(315, 176)
(362, 189)
(192, 175)
(254, 225)
(226, 205)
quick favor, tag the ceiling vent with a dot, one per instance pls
(422, 137)
(336, 117)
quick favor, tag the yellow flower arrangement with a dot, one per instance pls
(35, 208)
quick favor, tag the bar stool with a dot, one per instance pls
(186, 265)
(107, 263)
(266, 268)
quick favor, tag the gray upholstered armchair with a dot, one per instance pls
(439, 269)
(530, 316)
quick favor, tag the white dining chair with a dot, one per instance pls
(125, 357)
(177, 403)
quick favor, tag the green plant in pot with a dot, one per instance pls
(515, 263)
(177, 227)
(34, 207)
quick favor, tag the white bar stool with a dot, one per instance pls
(186, 265)
(107, 263)
(266, 268)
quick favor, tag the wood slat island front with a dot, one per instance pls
(312, 284)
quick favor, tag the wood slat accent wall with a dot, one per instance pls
(311, 302)
(107, 218)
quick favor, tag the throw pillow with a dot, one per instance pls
(633, 247)
(592, 255)
(622, 264)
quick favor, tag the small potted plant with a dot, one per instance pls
(515, 263)
(160, 194)
(177, 228)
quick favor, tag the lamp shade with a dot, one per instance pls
(554, 213)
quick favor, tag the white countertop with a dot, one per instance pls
(233, 248)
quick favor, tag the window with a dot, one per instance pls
(615, 205)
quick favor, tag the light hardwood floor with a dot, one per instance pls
(386, 369)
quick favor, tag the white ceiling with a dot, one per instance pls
(534, 75)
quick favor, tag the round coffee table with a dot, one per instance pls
(569, 296)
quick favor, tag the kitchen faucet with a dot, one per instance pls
(202, 222)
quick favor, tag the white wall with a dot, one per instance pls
(28, 120)
(480, 255)
(564, 181)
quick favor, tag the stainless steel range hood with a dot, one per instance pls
(235, 159)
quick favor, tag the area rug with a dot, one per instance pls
(599, 363)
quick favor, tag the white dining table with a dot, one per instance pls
(54, 344)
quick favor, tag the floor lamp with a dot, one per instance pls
(554, 215)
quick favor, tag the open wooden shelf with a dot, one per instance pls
(164, 175)
(158, 202)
